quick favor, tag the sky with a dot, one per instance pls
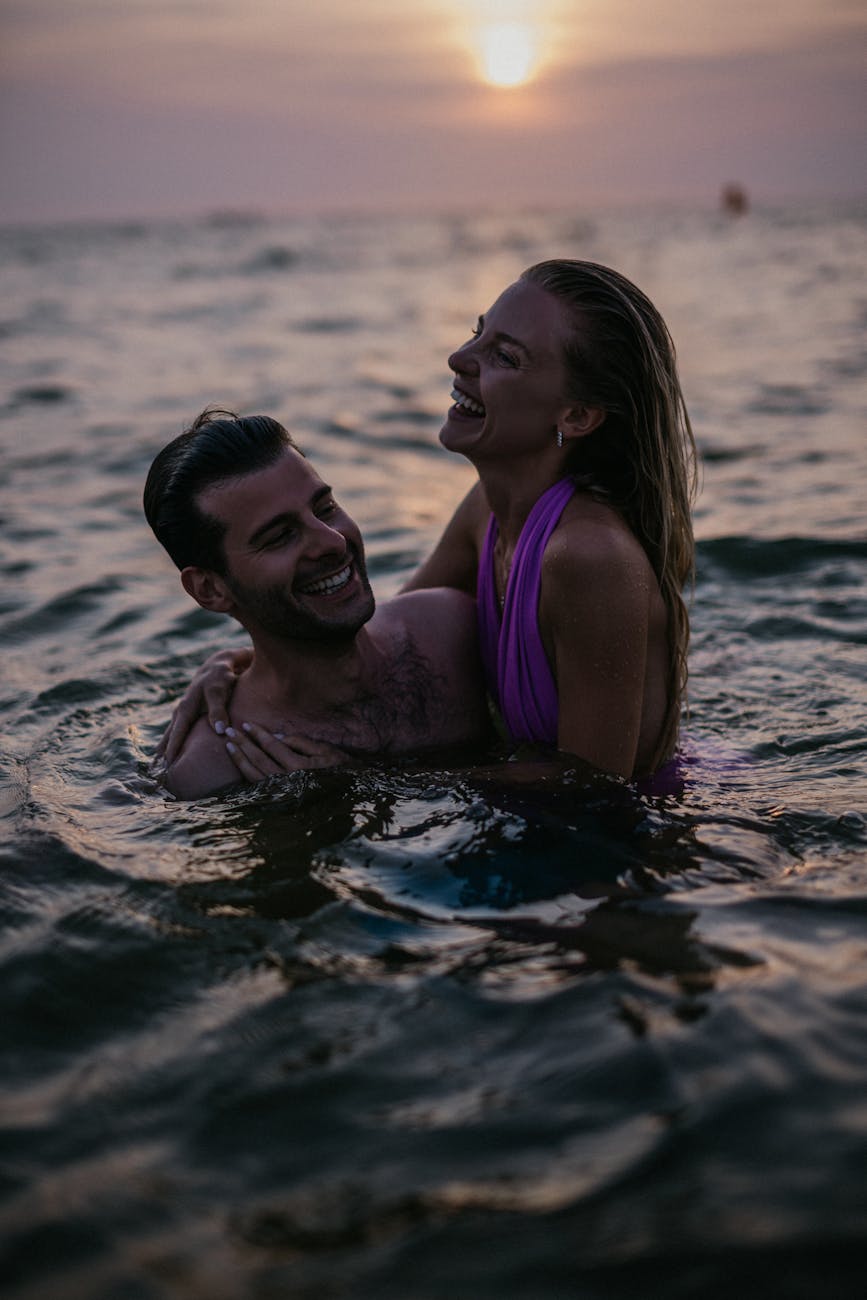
(126, 108)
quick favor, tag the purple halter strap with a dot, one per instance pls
(516, 667)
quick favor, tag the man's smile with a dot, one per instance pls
(327, 586)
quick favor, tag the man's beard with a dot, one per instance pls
(279, 613)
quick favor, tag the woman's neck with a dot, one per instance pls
(513, 491)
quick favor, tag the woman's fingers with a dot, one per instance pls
(258, 753)
(329, 755)
(209, 692)
(276, 748)
(217, 692)
(219, 676)
(250, 761)
(242, 657)
(186, 711)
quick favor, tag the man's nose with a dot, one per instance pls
(322, 539)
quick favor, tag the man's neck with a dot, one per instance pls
(311, 678)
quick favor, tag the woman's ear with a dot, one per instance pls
(581, 420)
(207, 589)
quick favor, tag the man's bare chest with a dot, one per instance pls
(404, 710)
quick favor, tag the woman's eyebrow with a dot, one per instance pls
(502, 337)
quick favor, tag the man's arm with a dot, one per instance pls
(454, 561)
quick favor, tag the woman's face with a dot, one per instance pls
(510, 385)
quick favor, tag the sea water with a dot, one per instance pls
(398, 1032)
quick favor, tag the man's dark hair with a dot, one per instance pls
(219, 445)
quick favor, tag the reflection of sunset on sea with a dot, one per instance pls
(129, 107)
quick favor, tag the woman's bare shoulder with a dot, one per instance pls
(593, 544)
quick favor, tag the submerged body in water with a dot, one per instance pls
(357, 1028)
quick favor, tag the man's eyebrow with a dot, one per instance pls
(285, 516)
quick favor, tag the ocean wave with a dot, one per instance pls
(40, 395)
(760, 557)
(790, 399)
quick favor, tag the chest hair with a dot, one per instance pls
(404, 710)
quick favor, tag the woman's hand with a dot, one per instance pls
(209, 692)
(257, 753)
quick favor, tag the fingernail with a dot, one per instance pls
(230, 747)
(219, 727)
(278, 735)
(246, 726)
(230, 732)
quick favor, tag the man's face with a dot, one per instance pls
(294, 559)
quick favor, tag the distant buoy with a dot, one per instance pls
(733, 199)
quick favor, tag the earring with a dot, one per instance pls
(559, 437)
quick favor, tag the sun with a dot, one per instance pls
(508, 53)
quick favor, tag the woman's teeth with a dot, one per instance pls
(327, 585)
(461, 399)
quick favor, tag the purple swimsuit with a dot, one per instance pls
(516, 667)
(518, 675)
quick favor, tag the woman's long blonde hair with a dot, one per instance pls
(642, 458)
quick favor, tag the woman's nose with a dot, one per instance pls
(463, 361)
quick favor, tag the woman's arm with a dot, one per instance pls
(594, 616)
(454, 561)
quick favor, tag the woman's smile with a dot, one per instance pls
(510, 378)
(466, 404)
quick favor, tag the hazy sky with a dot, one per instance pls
(140, 107)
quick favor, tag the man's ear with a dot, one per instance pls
(581, 420)
(207, 589)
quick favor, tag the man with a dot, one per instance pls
(259, 536)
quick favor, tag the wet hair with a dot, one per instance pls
(218, 446)
(642, 458)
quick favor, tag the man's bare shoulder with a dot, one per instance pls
(203, 766)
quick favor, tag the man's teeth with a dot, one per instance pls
(327, 585)
(461, 399)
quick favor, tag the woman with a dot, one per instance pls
(577, 539)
